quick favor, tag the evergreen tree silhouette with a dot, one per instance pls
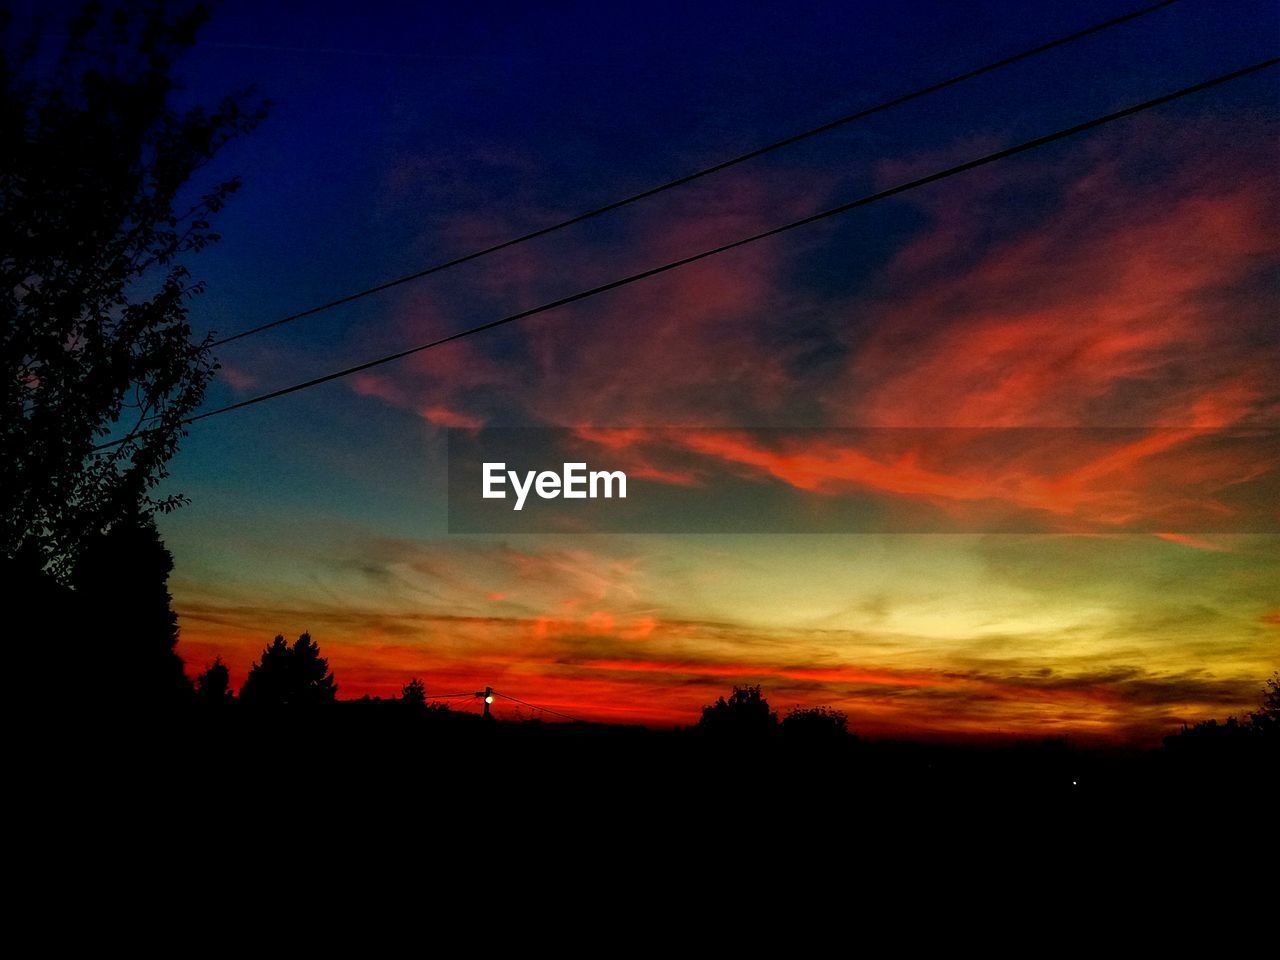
(313, 681)
(286, 675)
(268, 679)
(213, 687)
(414, 694)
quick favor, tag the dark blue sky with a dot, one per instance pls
(547, 109)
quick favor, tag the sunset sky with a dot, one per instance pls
(1124, 278)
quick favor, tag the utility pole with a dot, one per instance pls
(487, 695)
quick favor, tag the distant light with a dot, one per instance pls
(1075, 783)
(488, 699)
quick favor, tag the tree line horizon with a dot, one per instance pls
(299, 676)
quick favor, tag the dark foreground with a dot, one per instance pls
(459, 763)
(405, 804)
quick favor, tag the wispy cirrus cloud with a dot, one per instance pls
(1122, 299)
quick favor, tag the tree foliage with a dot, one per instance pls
(1260, 728)
(95, 223)
(744, 715)
(414, 694)
(814, 725)
(285, 675)
(213, 687)
(127, 628)
(1266, 719)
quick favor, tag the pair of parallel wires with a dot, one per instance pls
(843, 208)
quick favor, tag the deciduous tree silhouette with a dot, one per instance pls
(815, 726)
(745, 716)
(293, 676)
(1266, 719)
(1253, 740)
(94, 338)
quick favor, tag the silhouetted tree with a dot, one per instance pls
(1266, 719)
(414, 694)
(1256, 736)
(268, 681)
(213, 687)
(296, 676)
(314, 678)
(94, 338)
(121, 598)
(815, 725)
(744, 716)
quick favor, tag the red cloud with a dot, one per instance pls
(1129, 304)
(1122, 300)
(1116, 309)
(1194, 542)
(238, 378)
(442, 416)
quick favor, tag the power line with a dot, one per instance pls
(448, 696)
(723, 248)
(707, 171)
(534, 706)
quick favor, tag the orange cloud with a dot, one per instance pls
(1087, 479)
(1194, 542)
(442, 416)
